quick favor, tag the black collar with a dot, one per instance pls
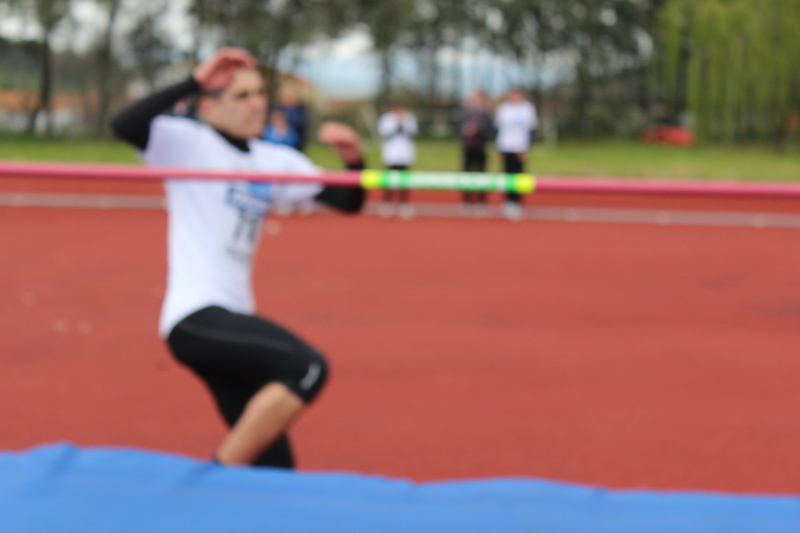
(236, 142)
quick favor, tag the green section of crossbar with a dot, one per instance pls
(448, 181)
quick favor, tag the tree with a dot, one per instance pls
(48, 14)
(388, 24)
(149, 47)
(104, 62)
(18, 63)
(433, 26)
(522, 31)
(602, 35)
(743, 74)
(265, 27)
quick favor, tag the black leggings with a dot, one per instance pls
(512, 164)
(474, 161)
(236, 355)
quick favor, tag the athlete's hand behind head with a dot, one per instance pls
(343, 139)
(216, 72)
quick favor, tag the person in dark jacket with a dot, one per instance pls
(475, 129)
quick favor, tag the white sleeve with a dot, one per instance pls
(171, 142)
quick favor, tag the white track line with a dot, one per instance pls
(618, 215)
(441, 210)
(90, 201)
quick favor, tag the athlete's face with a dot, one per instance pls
(240, 109)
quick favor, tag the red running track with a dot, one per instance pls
(619, 355)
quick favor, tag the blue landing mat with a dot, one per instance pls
(60, 488)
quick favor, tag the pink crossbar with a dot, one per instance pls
(133, 172)
(552, 184)
(666, 187)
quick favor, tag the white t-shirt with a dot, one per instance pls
(214, 226)
(398, 148)
(515, 121)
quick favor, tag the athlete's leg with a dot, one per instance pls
(261, 375)
(232, 398)
(265, 418)
(279, 454)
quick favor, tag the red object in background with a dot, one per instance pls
(669, 135)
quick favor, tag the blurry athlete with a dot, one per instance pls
(261, 376)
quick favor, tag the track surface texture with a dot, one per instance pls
(618, 355)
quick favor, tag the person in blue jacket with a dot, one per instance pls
(279, 131)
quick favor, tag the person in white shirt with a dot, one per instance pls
(516, 123)
(397, 127)
(261, 376)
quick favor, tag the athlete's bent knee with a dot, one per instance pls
(306, 374)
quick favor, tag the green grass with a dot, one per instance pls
(26, 147)
(626, 158)
(623, 158)
(619, 158)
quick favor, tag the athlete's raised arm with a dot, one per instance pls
(132, 123)
(216, 72)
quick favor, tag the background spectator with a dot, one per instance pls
(475, 130)
(296, 114)
(279, 131)
(516, 122)
(397, 127)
